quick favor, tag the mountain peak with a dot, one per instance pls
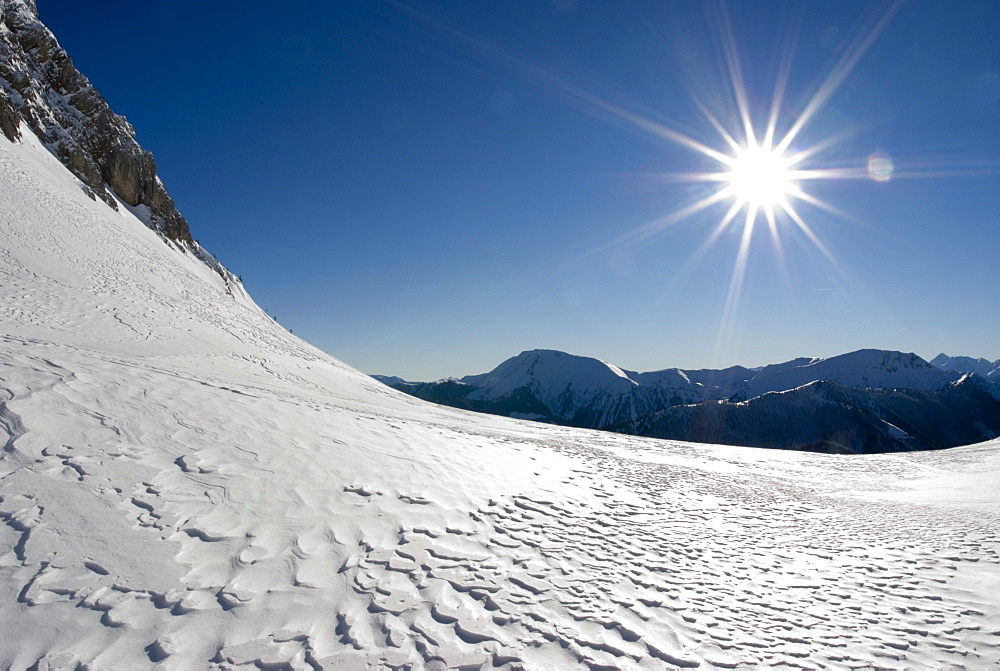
(556, 357)
(564, 383)
(863, 368)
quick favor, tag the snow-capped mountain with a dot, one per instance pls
(559, 386)
(864, 369)
(704, 405)
(699, 384)
(186, 485)
(967, 364)
(553, 386)
(826, 416)
(392, 379)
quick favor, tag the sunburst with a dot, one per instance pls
(759, 176)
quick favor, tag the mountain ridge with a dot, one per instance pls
(709, 405)
(967, 364)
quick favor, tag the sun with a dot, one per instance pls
(763, 159)
(760, 177)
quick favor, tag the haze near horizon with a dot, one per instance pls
(426, 190)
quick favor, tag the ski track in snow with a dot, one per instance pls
(183, 484)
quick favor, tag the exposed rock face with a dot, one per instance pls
(39, 84)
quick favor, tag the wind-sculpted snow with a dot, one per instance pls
(185, 485)
(156, 514)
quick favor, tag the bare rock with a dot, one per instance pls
(9, 119)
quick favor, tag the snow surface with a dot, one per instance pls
(185, 485)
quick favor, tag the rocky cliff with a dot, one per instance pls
(40, 86)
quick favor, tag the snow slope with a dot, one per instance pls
(185, 485)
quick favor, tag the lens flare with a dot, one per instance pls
(880, 167)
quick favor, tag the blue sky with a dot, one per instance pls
(425, 189)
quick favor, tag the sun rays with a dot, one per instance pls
(755, 153)
(759, 175)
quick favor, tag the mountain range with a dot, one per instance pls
(967, 364)
(184, 484)
(864, 401)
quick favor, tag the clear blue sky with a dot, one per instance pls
(427, 188)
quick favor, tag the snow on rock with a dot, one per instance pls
(40, 85)
(185, 485)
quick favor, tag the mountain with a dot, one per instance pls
(825, 416)
(821, 416)
(864, 369)
(777, 406)
(967, 364)
(40, 85)
(391, 380)
(186, 485)
(560, 387)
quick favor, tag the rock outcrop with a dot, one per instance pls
(40, 85)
